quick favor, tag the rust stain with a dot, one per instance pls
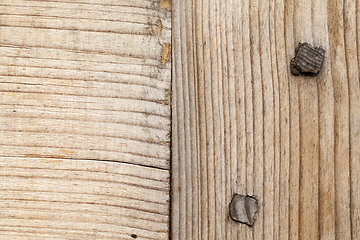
(100, 168)
(166, 4)
(66, 154)
(50, 160)
(46, 157)
(34, 155)
(30, 95)
(169, 96)
(68, 151)
(165, 53)
(150, 30)
(159, 26)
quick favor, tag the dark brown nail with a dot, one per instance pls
(308, 60)
(243, 209)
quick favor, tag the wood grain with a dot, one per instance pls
(85, 119)
(242, 123)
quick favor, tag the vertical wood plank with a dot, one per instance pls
(289, 141)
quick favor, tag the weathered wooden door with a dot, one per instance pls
(242, 123)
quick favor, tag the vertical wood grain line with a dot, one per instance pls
(353, 40)
(209, 101)
(249, 105)
(268, 98)
(219, 123)
(326, 199)
(244, 108)
(276, 111)
(258, 159)
(186, 34)
(194, 129)
(281, 63)
(249, 110)
(341, 98)
(354, 112)
(229, 128)
(176, 157)
(294, 123)
(201, 42)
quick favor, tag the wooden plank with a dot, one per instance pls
(82, 199)
(242, 123)
(85, 119)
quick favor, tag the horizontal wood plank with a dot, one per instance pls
(84, 119)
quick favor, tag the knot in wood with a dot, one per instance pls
(308, 59)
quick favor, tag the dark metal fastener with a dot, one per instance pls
(243, 209)
(308, 60)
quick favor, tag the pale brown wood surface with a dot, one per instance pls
(243, 124)
(84, 119)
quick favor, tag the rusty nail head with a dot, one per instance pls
(243, 209)
(308, 60)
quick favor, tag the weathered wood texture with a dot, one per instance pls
(84, 119)
(242, 123)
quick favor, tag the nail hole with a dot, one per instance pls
(133, 235)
